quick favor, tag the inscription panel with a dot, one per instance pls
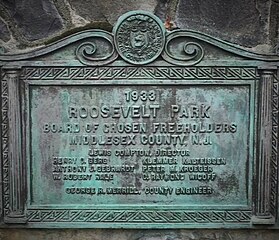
(141, 145)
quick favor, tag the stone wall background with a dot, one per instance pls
(29, 24)
(119, 234)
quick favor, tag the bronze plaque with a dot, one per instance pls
(139, 128)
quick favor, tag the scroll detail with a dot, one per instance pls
(182, 51)
(98, 51)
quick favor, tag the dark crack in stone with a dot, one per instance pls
(36, 19)
(4, 32)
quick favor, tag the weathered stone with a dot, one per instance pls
(274, 25)
(36, 19)
(90, 10)
(4, 32)
(162, 8)
(64, 9)
(109, 10)
(241, 22)
(120, 234)
(94, 10)
(114, 9)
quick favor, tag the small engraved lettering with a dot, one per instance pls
(201, 190)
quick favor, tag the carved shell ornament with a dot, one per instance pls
(139, 37)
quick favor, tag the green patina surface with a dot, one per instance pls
(178, 145)
(140, 128)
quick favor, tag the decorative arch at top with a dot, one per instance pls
(139, 38)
